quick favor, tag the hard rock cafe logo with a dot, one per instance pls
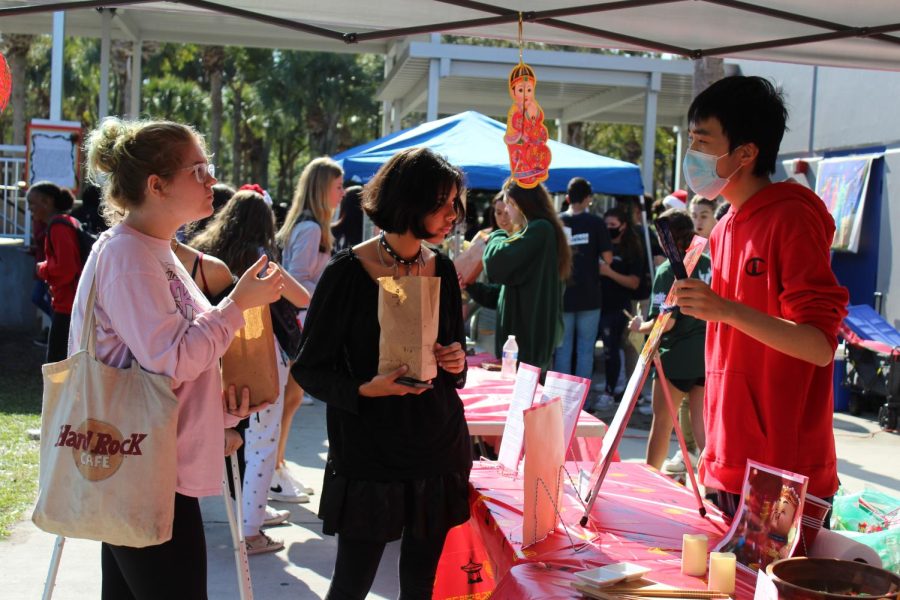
(98, 448)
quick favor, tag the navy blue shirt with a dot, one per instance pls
(589, 239)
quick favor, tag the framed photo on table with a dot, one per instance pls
(766, 526)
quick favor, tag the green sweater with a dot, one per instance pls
(526, 290)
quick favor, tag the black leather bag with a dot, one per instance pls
(286, 327)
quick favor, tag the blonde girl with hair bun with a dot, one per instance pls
(156, 177)
(307, 243)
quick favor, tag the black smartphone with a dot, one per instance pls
(414, 383)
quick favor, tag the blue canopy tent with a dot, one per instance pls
(474, 143)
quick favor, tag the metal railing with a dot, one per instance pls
(15, 218)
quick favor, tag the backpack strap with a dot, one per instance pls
(198, 262)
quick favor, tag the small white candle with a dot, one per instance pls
(721, 572)
(693, 554)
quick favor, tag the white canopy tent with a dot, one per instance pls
(857, 33)
(852, 33)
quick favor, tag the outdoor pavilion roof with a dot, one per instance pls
(840, 33)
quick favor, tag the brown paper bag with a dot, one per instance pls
(469, 262)
(408, 315)
(250, 359)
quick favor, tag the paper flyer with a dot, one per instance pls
(514, 430)
(544, 458)
(766, 525)
(573, 391)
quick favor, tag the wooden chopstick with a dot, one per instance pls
(664, 593)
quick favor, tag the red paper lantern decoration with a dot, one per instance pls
(5, 83)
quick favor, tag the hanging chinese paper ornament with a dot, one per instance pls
(526, 134)
(5, 83)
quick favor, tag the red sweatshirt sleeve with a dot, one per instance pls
(63, 262)
(810, 292)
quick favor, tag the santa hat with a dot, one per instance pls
(677, 199)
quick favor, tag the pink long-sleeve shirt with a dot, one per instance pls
(149, 308)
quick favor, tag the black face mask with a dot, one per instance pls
(613, 232)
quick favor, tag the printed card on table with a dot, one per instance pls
(514, 430)
(573, 391)
(544, 458)
(766, 526)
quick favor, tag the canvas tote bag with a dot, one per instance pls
(108, 462)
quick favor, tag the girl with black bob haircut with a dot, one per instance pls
(399, 456)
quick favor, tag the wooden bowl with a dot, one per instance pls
(831, 579)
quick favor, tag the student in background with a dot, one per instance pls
(306, 243)
(680, 351)
(703, 214)
(590, 243)
(527, 271)
(50, 204)
(619, 280)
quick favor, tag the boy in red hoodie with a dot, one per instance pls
(773, 306)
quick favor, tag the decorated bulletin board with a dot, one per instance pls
(53, 152)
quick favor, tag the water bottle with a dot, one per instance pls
(510, 356)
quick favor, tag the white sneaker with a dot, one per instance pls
(287, 473)
(604, 402)
(275, 516)
(284, 489)
(645, 407)
(676, 466)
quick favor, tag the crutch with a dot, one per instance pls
(50, 582)
(235, 518)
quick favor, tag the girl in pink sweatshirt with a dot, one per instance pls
(156, 177)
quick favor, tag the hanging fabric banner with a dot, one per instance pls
(526, 135)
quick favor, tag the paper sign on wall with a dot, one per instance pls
(514, 430)
(544, 457)
(572, 391)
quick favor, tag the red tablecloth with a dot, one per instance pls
(486, 399)
(640, 517)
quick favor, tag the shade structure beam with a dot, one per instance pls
(549, 18)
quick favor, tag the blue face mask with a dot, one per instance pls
(701, 176)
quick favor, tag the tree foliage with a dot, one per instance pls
(279, 108)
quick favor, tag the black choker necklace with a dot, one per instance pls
(397, 258)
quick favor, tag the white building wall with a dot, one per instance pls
(834, 108)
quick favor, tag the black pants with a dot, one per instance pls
(357, 562)
(174, 569)
(728, 503)
(612, 325)
(58, 340)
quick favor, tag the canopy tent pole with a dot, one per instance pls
(679, 156)
(134, 111)
(56, 65)
(106, 21)
(434, 83)
(649, 155)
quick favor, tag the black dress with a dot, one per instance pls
(394, 462)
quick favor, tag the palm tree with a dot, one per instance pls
(214, 66)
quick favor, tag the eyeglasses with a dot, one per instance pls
(200, 170)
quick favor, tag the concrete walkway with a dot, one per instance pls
(867, 457)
